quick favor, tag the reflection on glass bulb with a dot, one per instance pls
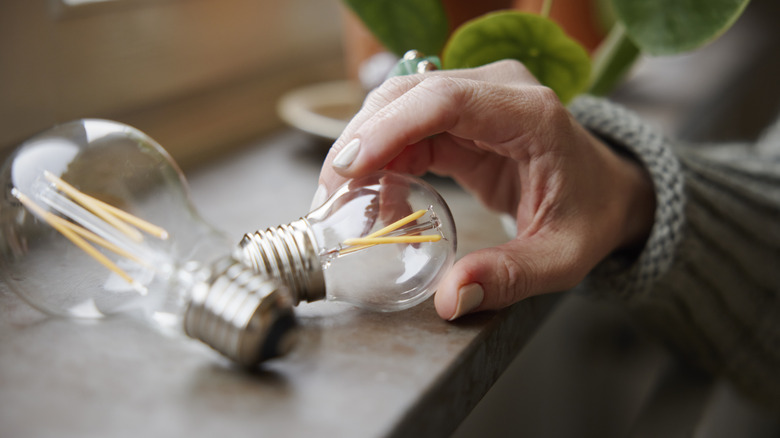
(95, 220)
(383, 242)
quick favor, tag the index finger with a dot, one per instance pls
(384, 100)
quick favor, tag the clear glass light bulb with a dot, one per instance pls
(95, 220)
(382, 242)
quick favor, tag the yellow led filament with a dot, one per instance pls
(118, 219)
(378, 237)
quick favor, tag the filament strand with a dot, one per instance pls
(390, 234)
(114, 218)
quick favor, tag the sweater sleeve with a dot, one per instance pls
(709, 275)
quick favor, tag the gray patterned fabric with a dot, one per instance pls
(709, 275)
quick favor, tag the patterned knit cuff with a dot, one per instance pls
(623, 128)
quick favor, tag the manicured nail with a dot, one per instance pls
(469, 298)
(346, 156)
(320, 196)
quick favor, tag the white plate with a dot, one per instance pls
(322, 109)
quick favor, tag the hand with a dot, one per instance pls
(509, 141)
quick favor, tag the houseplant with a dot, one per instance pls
(658, 27)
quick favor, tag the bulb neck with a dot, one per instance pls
(244, 316)
(289, 253)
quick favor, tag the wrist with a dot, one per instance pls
(639, 199)
(627, 183)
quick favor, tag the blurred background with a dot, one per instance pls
(199, 76)
(205, 76)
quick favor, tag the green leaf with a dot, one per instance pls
(556, 60)
(402, 25)
(612, 61)
(662, 27)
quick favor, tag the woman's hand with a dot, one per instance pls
(509, 141)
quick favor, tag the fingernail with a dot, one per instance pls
(346, 156)
(320, 196)
(469, 298)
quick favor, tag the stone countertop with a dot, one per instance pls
(353, 373)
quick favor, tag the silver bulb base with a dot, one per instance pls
(289, 253)
(244, 316)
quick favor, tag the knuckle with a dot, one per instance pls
(541, 101)
(548, 99)
(518, 278)
(390, 90)
(513, 66)
(396, 83)
(553, 116)
(454, 92)
(447, 95)
(439, 84)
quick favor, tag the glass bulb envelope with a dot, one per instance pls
(95, 220)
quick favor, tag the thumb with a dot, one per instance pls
(497, 277)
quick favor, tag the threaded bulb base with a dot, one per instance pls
(289, 253)
(244, 316)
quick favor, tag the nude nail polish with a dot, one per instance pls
(346, 156)
(469, 298)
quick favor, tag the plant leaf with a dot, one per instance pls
(662, 27)
(614, 58)
(556, 60)
(402, 25)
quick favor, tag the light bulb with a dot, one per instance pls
(96, 220)
(382, 242)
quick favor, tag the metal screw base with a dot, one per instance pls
(287, 252)
(244, 316)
